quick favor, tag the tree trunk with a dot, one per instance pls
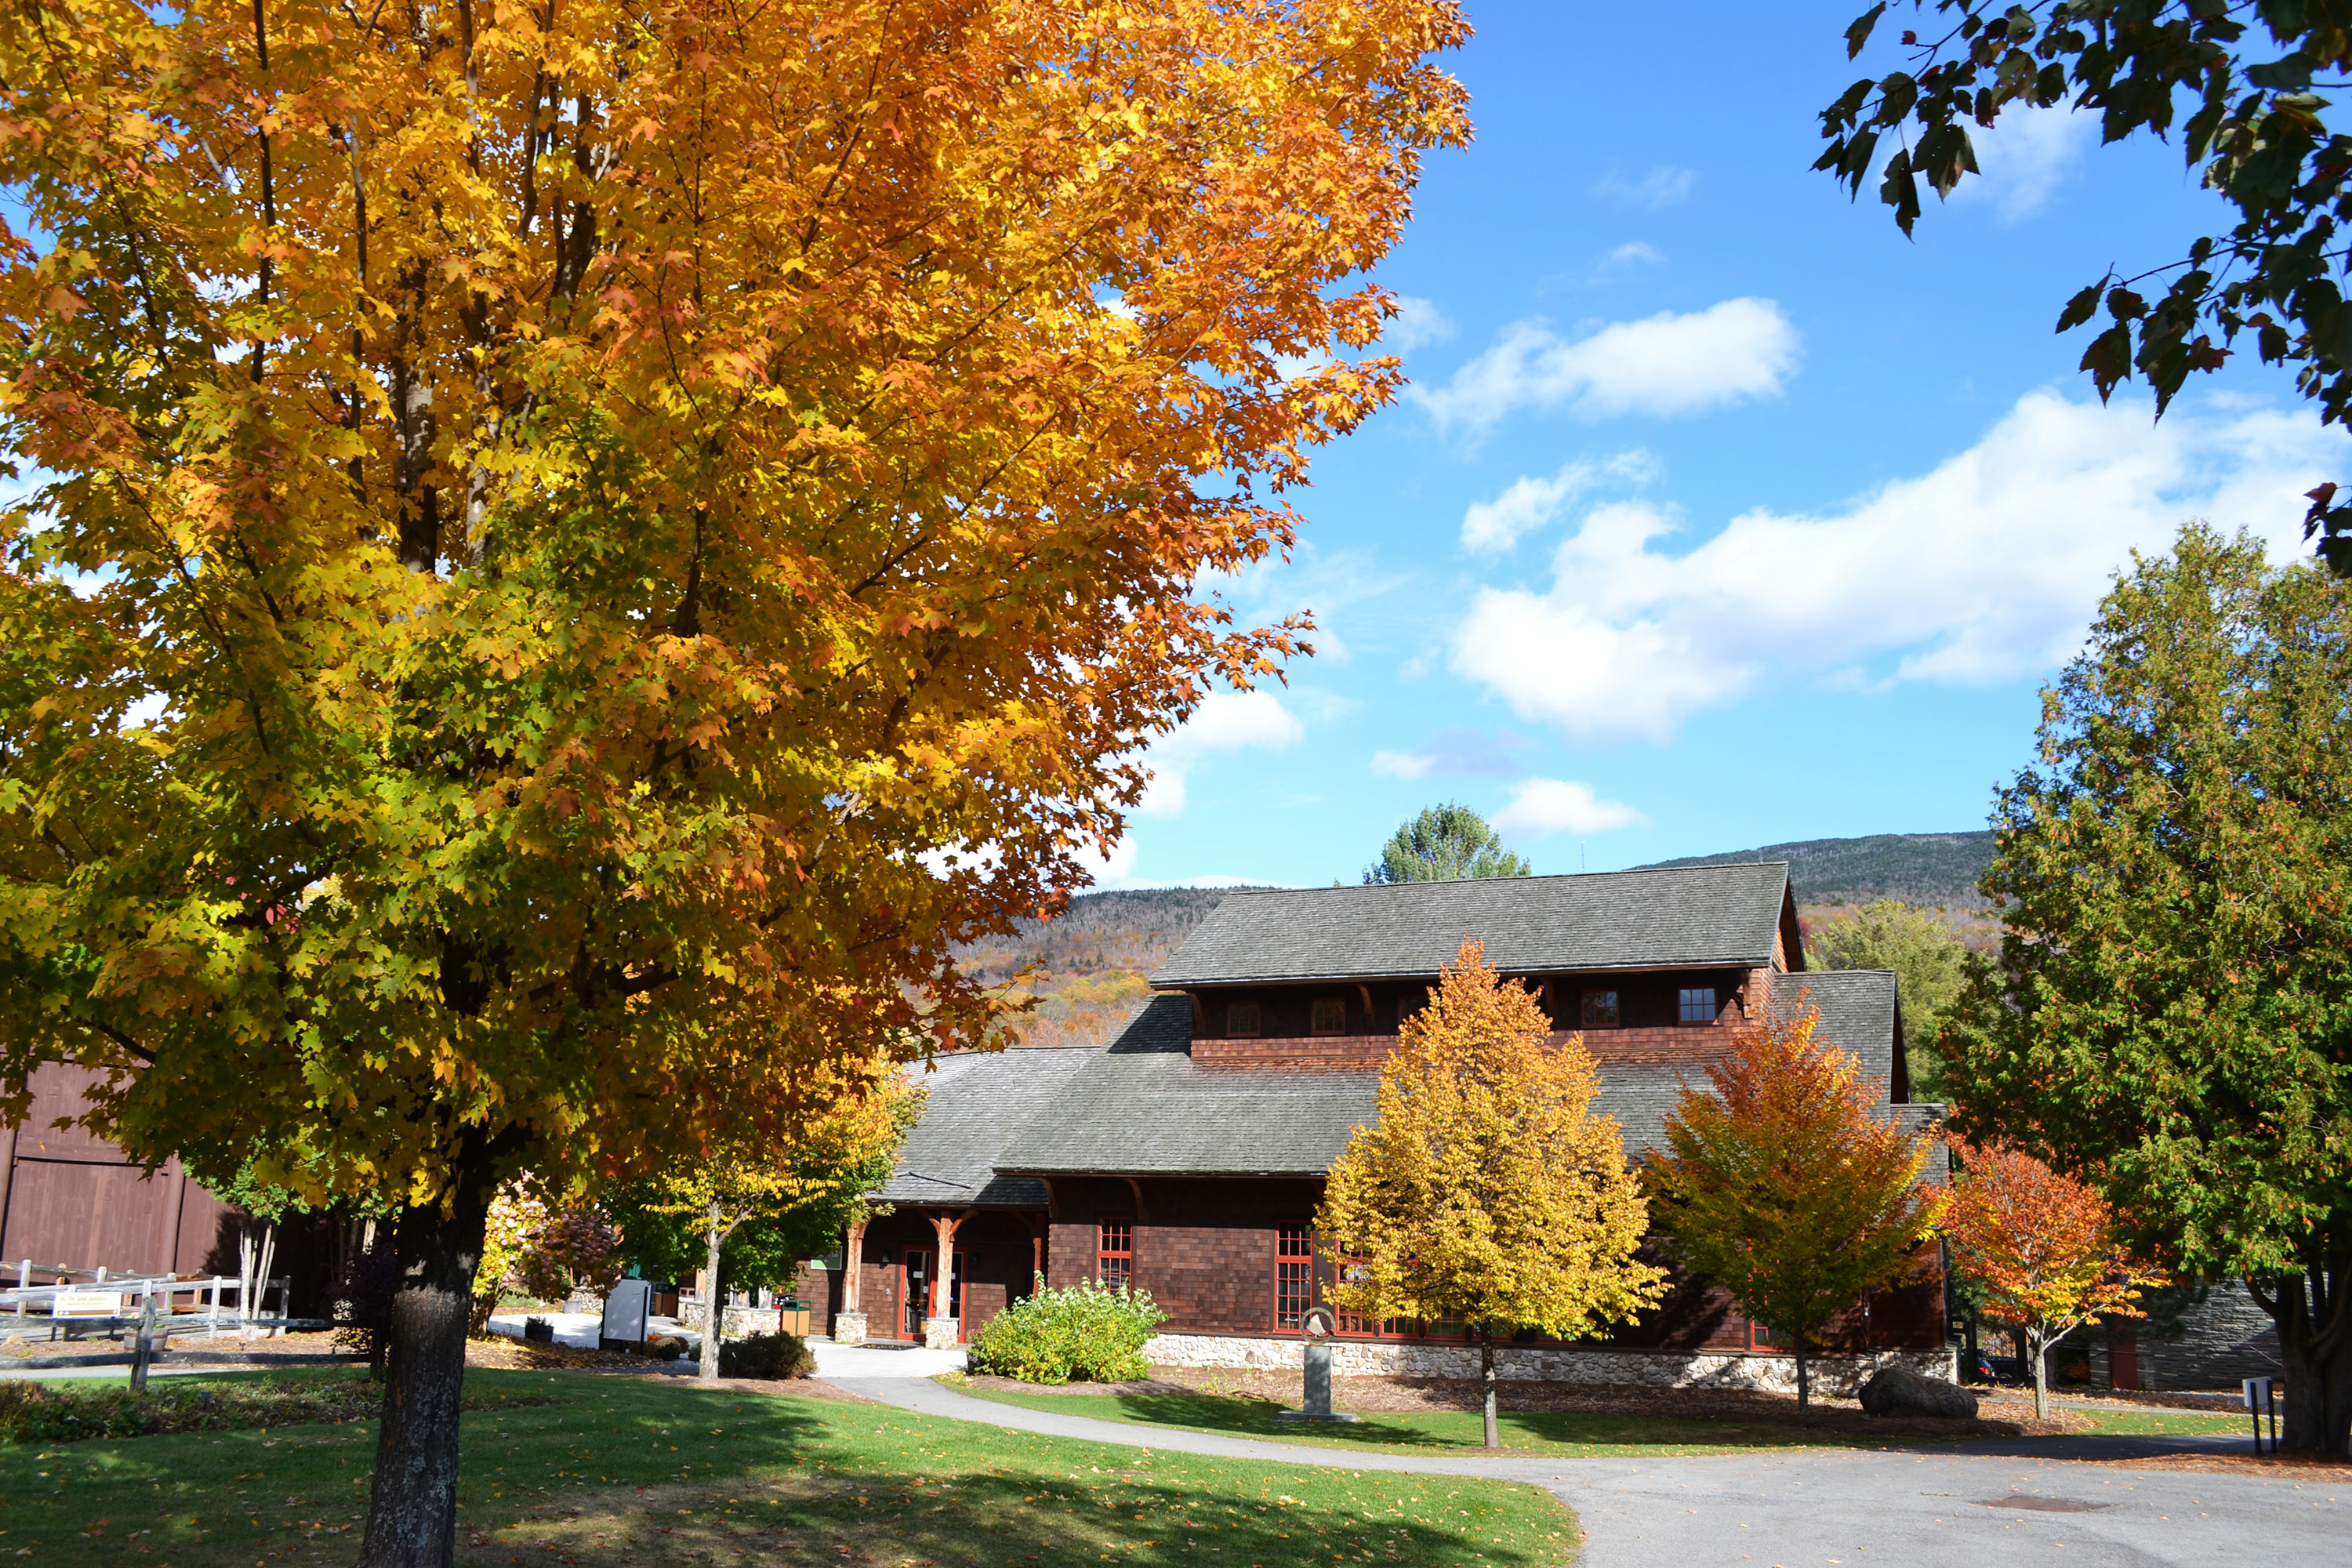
(1804, 1375)
(1487, 1379)
(413, 1512)
(2037, 1348)
(2314, 1314)
(714, 1312)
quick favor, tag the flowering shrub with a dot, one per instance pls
(541, 1251)
(1087, 1333)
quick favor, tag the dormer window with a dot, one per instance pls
(1330, 1014)
(1699, 1005)
(1600, 1010)
(1241, 1019)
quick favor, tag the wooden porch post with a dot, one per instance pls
(945, 1262)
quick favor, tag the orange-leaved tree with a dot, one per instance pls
(1488, 1192)
(1783, 1182)
(575, 551)
(2046, 1250)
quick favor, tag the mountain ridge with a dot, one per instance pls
(1088, 968)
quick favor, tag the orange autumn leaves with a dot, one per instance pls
(649, 527)
(2046, 1250)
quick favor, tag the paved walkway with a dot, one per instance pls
(2019, 1505)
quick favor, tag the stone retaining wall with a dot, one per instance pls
(740, 1321)
(1656, 1369)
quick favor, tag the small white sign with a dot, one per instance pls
(89, 1304)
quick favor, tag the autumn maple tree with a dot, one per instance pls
(1487, 1192)
(2044, 1249)
(570, 554)
(1781, 1183)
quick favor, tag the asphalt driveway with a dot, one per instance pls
(2013, 1505)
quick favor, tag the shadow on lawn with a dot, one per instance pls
(1437, 1431)
(985, 1521)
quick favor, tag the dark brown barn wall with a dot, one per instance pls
(72, 1200)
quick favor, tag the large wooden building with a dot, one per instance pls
(1186, 1155)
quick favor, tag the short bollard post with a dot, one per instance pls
(145, 1346)
(1316, 1327)
(2259, 1399)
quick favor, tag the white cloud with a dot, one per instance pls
(1416, 322)
(1470, 752)
(1985, 568)
(1663, 365)
(1540, 807)
(1328, 585)
(1224, 722)
(2029, 152)
(1632, 251)
(1111, 870)
(1660, 187)
(1531, 502)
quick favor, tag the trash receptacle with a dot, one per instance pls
(792, 1317)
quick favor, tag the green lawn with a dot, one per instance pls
(1569, 1435)
(617, 1470)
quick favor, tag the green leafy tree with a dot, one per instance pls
(1488, 1192)
(2245, 83)
(2171, 1013)
(1781, 1183)
(1927, 961)
(1448, 843)
(774, 1206)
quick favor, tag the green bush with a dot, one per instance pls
(765, 1355)
(1089, 1333)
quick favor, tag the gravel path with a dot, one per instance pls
(2016, 1505)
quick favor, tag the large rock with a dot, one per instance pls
(1899, 1391)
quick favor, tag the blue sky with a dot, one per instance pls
(1718, 513)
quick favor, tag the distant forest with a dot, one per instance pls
(1932, 869)
(1091, 967)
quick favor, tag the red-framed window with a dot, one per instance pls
(1294, 1275)
(1695, 1005)
(1760, 1338)
(1352, 1270)
(1115, 1253)
(1330, 1015)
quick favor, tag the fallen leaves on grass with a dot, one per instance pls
(70, 1412)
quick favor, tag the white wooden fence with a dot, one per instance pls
(108, 1305)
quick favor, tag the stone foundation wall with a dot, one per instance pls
(739, 1321)
(1530, 1363)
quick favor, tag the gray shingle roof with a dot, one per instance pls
(1688, 917)
(1858, 1012)
(1144, 1106)
(980, 1103)
(1857, 1008)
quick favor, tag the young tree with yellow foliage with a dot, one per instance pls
(1487, 1191)
(577, 551)
(1782, 1184)
(845, 1153)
